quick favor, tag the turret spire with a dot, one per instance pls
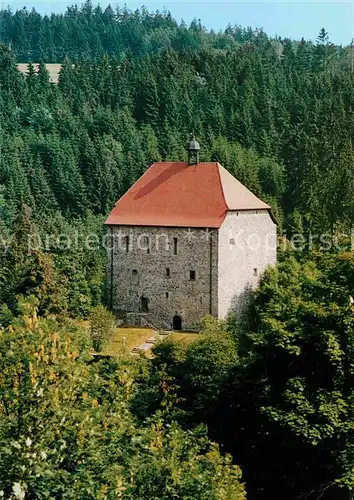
(193, 151)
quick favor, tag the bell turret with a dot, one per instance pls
(193, 151)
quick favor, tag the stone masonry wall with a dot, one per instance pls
(247, 246)
(141, 272)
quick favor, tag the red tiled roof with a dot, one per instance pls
(180, 195)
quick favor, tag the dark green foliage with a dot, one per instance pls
(296, 383)
(196, 371)
(278, 115)
(62, 265)
(282, 403)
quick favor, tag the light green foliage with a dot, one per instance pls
(67, 432)
(190, 374)
(102, 322)
(213, 326)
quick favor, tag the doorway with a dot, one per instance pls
(177, 322)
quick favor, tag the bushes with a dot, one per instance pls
(102, 324)
(67, 430)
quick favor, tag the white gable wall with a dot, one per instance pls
(247, 246)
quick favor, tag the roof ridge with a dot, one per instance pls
(218, 165)
(234, 189)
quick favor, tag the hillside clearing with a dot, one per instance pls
(125, 339)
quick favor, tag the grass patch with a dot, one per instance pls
(124, 339)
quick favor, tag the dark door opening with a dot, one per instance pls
(177, 322)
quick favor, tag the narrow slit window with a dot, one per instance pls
(192, 275)
(255, 272)
(175, 246)
(168, 273)
(126, 244)
(147, 244)
(167, 295)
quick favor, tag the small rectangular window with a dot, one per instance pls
(146, 244)
(144, 304)
(135, 277)
(175, 246)
(167, 295)
(192, 275)
(168, 273)
(255, 272)
(126, 244)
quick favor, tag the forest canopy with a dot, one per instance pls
(277, 113)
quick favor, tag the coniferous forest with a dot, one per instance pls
(271, 395)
